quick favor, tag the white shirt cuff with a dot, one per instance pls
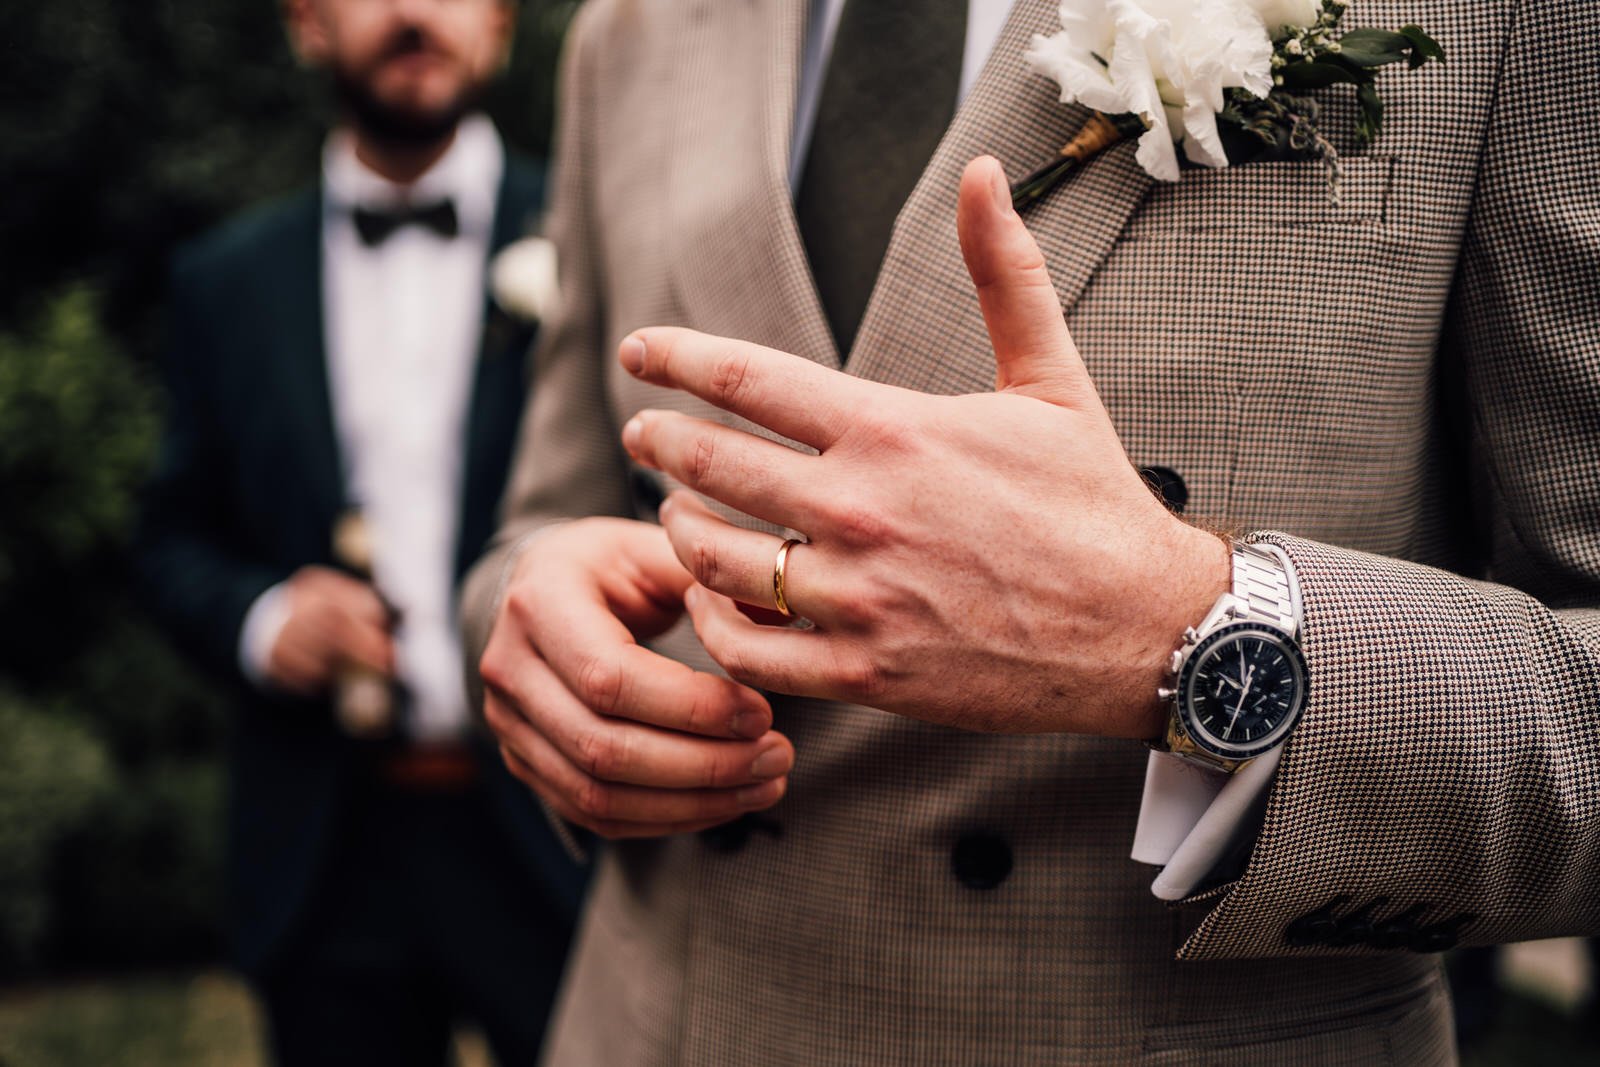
(1191, 818)
(262, 625)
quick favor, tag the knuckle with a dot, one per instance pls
(861, 679)
(700, 713)
(600, 684)
(492, 670)
(596, 753)
(520, 606)
(703, 560)
(593, 799)
(736, 661)
(859, 522)
(730, 379)
(702, 459)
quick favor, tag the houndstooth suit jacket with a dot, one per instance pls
(1405, 385)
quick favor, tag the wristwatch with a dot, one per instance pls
(1239, 678)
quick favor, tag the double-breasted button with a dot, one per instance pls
(1167, 484)
(981, 860)
(734, 835)
(1315, 927)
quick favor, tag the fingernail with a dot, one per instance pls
(771, 763)
(998, 187)
(759, 796)
(749, 724)
(631, 353)
(632, 434)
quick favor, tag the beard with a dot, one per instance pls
(401, 124)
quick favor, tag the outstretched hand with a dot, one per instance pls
(990, 561)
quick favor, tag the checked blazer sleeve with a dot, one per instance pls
(1446, 775)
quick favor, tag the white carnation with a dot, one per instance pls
(1276, 14)
(1166, 61)
(524, 281)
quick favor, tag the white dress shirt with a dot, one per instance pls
(1190, 817)
(403, 320)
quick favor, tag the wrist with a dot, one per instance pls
(1198, 570)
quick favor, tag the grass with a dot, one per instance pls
(204, 1020)
(197, 1020)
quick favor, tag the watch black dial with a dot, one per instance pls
(1243, 688)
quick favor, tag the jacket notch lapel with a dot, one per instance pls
(924, 302)
(302, 328)
(499, 382)
(737, 258)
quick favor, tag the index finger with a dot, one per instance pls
(785, 393)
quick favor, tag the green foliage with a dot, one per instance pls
(1313, 58)
(129, 127)
(1284, 124)
(139, 879)
(77, 428)
(207, 1020)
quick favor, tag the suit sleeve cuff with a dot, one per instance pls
(1195, 823)
(263, 622)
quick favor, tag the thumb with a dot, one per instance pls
(1033, 351)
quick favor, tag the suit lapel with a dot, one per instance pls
(499, 378)
(922, 328)
(302, 352)
(736, 252)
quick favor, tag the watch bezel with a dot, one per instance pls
(1202, 738)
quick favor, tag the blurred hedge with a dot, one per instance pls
(127, 128)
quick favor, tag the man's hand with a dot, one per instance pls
(613, 736)
(990, 561)
(333, 620)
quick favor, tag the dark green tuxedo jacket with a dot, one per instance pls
(247, 490)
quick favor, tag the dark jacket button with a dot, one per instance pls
(981, 860)
(1315, 927)
(1398, 931)
(1167, 484)
(1441, 936)
(1356, 928)
(735, 835)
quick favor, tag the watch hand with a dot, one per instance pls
(1237, 708)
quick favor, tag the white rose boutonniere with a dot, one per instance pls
(1225, 80)
(1165, 62)
(524, 281)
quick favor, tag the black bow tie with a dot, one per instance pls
(375, 227)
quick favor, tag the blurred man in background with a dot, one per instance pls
(344, 402)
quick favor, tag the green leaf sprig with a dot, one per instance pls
(1284, 124)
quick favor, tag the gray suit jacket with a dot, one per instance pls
(1405, 385)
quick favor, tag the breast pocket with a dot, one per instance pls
(1267, 196)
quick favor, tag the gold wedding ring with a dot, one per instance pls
(778, 565)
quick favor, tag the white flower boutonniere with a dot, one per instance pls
(1223, 79)
(524, 281)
